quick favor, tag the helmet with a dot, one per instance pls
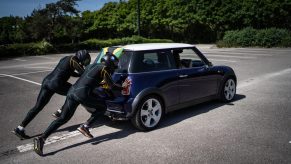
(110, 61)
(84, 57)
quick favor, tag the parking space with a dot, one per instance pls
(252, 129)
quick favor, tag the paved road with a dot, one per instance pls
(253, 129)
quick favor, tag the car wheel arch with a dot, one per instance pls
(228, 72)
(145, 93)
(221, 84)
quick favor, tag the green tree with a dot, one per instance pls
(12, 30)
(48, 22)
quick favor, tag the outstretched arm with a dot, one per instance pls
(76, 66)
(109, 81)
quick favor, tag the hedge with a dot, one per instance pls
(96, 44)
(250, 37)
(26, 49)
(44, 47)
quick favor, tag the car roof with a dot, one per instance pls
(156, 46)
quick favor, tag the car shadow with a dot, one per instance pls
(127, 129)
(185, 113)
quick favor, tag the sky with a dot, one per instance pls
(25, 7)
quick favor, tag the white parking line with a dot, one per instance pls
(54, 139)
(231, 56)
(26, 65)
(40, 67)
(17, 59)
(27, 73)
(237, 53)
(232, 61)
(20, 79)
(44, 57)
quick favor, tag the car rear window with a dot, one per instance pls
(123, 56)
(147, 61)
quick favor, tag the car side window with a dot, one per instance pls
(152, 61)
(187, 58)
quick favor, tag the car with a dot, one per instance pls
(163, 77)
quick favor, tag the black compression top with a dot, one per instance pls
(94, 75)
(65, 69)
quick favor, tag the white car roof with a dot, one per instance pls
(156, 46)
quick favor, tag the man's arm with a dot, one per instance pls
(76, 66)
(108, 80)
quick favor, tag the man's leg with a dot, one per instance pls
(93, 101)
(62, 91)
(84, 128)
(94, 117)
(44, 97)
(69, 109)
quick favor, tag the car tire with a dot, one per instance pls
(228, 90)
(148, 114)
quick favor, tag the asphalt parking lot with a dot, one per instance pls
(255, 128)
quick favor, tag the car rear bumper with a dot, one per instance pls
(119, 108)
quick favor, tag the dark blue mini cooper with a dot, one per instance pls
(163, 77)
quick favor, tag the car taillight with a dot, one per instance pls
(126, 87)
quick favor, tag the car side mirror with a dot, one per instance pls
(210, 64)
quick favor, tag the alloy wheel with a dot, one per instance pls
(151, 112)
(229, 89)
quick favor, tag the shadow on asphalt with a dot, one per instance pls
(69, 129)
(127, 129)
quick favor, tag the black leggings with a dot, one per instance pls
(43, 98)
(72, 102)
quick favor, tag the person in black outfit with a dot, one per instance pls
(55, 82)
(86, 92)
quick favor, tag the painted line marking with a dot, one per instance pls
(252, 49)
(289, 142)
(20, 79)
(230, 56)
(17, 59)
(50, 140)
(232, 61)
(236, 53)
(26, 65)
(27, 73)
(54, 139)
(41, 67)
(44, 57)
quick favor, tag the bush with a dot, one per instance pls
(44, 47)
(250, 37)
(98, 44)
(13, 50)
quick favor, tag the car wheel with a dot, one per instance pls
(228, 90)
(148, 114)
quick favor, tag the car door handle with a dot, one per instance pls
(183, 76)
